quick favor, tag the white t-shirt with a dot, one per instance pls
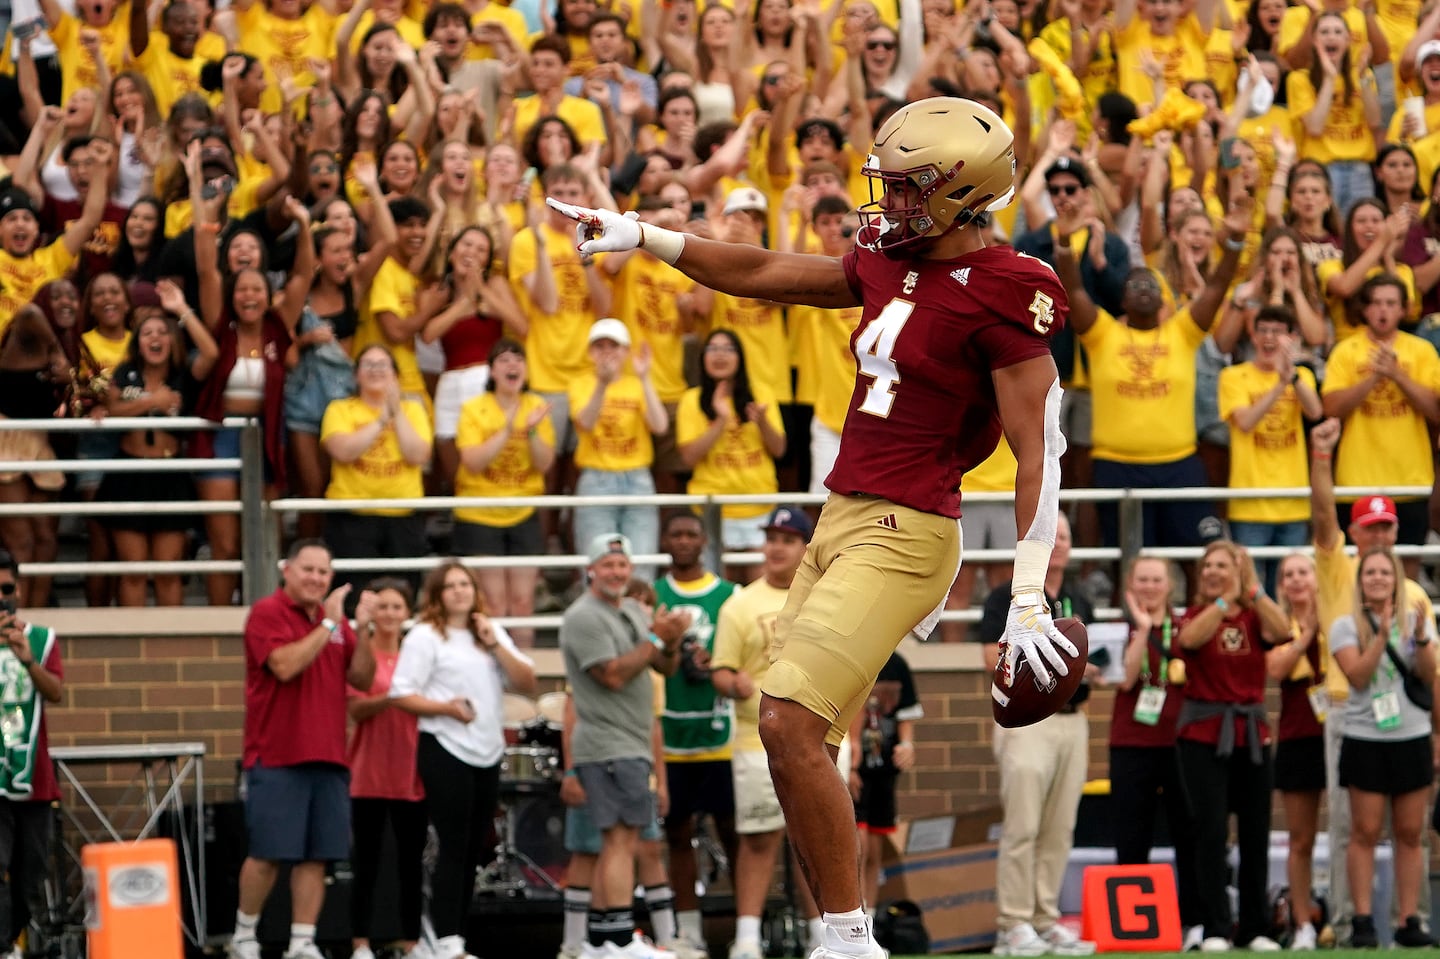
(455, 667)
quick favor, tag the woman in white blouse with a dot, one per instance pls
(454, 667)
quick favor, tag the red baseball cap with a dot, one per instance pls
(1372, 510)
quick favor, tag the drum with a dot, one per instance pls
(529, 768)
(517, 710)
(546, 728)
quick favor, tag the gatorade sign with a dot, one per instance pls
(1131, 909)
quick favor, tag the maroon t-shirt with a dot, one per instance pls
(1230, 668)
(1297, 719)
(303, 720)
(57, 216)
(1124, 730)
(923, 410)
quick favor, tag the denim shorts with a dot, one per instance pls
(227, 446)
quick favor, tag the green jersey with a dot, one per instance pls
(697, 722)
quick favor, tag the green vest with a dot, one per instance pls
(697, 721)
(20, 707)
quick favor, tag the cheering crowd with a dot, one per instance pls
(330, 218)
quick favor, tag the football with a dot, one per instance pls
(1023, 700)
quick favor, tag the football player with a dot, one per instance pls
(952, 347)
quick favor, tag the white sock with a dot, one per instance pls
(577, 911)
(688, 920)
(816, 927)
(848, 933)
(245, 925)
(300, 935)
(660, 904)
(747, 929)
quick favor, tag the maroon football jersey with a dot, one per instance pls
(923, 411)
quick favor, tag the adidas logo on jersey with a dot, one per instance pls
(961, 276)
(888, 521)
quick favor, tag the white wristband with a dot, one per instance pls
(1032, 562)
(663, 244)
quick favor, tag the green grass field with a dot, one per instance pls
(1325, 953)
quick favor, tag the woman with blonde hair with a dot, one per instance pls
(1386, 649)
(1224, 741)
(454, 668)
(1299, 667)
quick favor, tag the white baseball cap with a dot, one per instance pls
(610, 329)
(746, 198)
(1428, 49)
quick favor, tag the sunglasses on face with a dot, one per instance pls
(772, 80)
(8, 589)
(1066, 189)
(880, 45)
(324, 167)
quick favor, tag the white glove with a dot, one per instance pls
(600, 231)
(1030, 631)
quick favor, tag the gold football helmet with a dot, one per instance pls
(941, 162)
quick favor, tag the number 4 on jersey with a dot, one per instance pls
(872, 351)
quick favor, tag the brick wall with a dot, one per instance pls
(151, 676)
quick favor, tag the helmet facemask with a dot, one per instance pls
(904, 230)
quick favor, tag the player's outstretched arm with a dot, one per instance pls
(735, 268)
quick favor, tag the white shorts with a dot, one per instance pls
(757, 810)
(455, 388)
(824, 447)
(430, 357)
(743, 535)
(988, 525)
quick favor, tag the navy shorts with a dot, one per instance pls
(298, 813)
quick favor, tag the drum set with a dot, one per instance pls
(530, 857)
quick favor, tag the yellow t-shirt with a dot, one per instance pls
(511, 19)
(557, 342)
(833, 372)
(77, 69)
(996, 474)
(1142, 385)
(1346, 135)
(22, 277)
(744, 634)
(210, 46)
(244, 200)
(512, 472)
(408, 29)
(1297, 20)
(620, 440)
(107, 353)
(1098, 77)
(1259, 132)
(1220, 64)
(380, 472)
(1426, 147)
(738, 462)
(392, 291)
(1337, 306)
(1335, 571)
(274, 41)
(1273, 453)
(171, 77)
(647, 291)
(760, 325)
(1385, 442)
(583, 116)
(1181, 55)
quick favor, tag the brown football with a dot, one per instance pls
(1023, 700)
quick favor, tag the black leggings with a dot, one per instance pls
(461, 800)
(406, 821)
(1143, 780)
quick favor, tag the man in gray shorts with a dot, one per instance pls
(609, 649)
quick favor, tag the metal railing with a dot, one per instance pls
(260, 526)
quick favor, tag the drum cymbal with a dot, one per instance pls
(518, 710)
